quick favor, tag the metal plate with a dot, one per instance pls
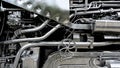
(79, 59)
(57, 10)
(56, 61)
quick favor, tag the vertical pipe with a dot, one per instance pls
(86, 4)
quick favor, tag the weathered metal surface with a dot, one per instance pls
(57, 10)
(81, 60)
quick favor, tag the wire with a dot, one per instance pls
(70, 34)
(50, 25)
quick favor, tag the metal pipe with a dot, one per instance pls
(36, 28)
(110, 5)
(79, 8)
(77, 5)
(77, 44)
(112, 37)
(107, 1)
(97, 11)
(80, 26)
(30, 30)
(86, 4)
(32, 39)
(107, 26)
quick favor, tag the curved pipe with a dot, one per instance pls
(36, 28)
(78, 44)
(30, 30)
(33, 39)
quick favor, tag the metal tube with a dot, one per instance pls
(80, 26)
(86, 4)
(77, 44)
(97, 11)
(77, 5)
(79, 8)
(33, 39)
(107, 26)
(110, 5)
(107, 1)
(30, 30)
(112, 37)
(36, 28)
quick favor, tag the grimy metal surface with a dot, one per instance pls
(57, 10)
(81, 60)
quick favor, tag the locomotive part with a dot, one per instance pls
(60, 34)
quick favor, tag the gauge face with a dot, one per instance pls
(57, 10)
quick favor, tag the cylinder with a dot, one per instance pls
(118, 14)
(107, 26)
(113, 64)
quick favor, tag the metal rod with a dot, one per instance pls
(107, 1)
(86, 4)
(80, 26)
(79, 8)
(97, 11)
(110, 5)
(111, 37)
